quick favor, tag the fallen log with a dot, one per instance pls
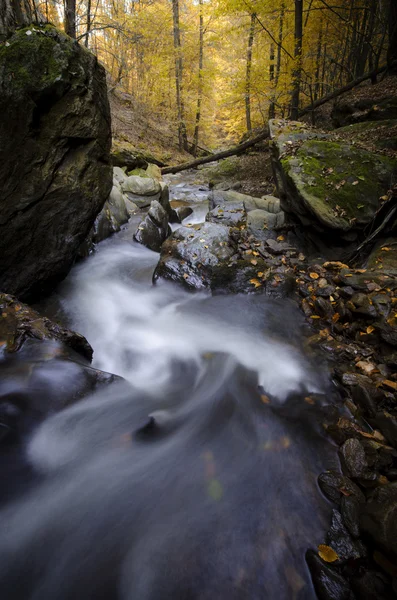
(265, 134)
(219, 155)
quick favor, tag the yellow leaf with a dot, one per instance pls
(314, 317)
(280, 238)
(255, 253)
(370, 329)
(348, 275)
(309, 400)
(314, 276)
(391, 384)
(255, 282)
(385, 249)
(260, 274)
(327, 553)
(254, 262)
(265, 399)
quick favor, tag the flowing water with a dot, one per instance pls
(186, 481)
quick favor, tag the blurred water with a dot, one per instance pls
(187, 481)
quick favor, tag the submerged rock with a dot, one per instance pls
(55, 174)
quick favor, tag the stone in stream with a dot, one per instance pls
(55, 172)
(327, 580)
(154, 228)
(340, 540)
(141, 186)
(208, 256)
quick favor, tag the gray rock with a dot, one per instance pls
(131, 207)
(328, 582)
(334, 485)
(141, 201)
(340, 539)
(232, 214)
(183, 212)
(117, 206)
(260, 221)
(141, 186)
(119, 174)
(55, 174)
(153, 230)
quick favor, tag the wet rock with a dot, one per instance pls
(183, 212)
(350, 510)
(340, 540)
(353, 458)
(19, 323)
(328, 582)
(334, 485)
(231, 214)
(379, 516)
(153, 230)
(55, 173)
(141, 186)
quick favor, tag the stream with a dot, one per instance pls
(186, 480)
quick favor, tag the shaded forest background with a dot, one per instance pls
(218, 69)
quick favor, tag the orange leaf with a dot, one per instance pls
(265, 399)
(280, 238)
(335, 317)
(327, 553)
(370, 329)
(255, 282)
(314, 275)
(389, 383)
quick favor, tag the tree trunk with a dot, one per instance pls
(182, 136)
(70, 18)
(248, 74)
(318, 63)
(13, 14)
(392, 47)
(200, 80)
(87, 35)
(298, 59)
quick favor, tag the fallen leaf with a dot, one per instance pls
(309, 400)
(335, 317)
(355, 182)
(280, 238)
(370, 329)
(265, 399)
(315, 317)
(254, 262)
(327, 553)
(348, 275)
(385, 249)
(185, 276)
(314, 275)
(391, 384)
(255, 282)
(255, 253)
(366, 367)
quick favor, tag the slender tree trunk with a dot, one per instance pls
(70, 18)
(248, 74)
(200, 80)
(271, 78)
(298, 59)
(392, 47)
(182, 136)
(87, 35)
(318, 63)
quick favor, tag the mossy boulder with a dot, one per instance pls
(55, 172)
(328, 186)
(381, 135)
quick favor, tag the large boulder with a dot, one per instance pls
(125, 155)
(55, 138)
(141, 186)
(329, 187)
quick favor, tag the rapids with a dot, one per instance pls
(186, 481)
